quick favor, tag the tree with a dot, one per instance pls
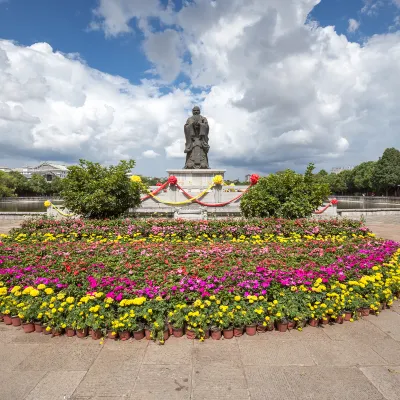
(285, 194)
(362, 176)
(7, 185)
(21, 183)
(337, 183)
(55, 187)
(386, 175)
(38, 185)
(95, 191)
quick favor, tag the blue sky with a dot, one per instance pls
(175, 52)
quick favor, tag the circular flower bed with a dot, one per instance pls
(155, 278)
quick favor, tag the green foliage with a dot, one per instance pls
(38, 185)
(7, 185)
(21, 183)
(387, 172)
(362, 176)
(285, 195)
(95, 191)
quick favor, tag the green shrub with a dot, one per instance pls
(285, 195)
(94, 191)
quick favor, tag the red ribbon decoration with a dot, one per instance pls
(172, 180)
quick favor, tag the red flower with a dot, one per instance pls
(334, 202)
(158, 184)
(172, 180)
(254, 179)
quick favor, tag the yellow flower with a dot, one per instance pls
(136, 179)
(49, 291)
(69, 300)
(47, 203)
(34, 293)
(218, 180)
(41, 286)
(278, 314)
(237, 298)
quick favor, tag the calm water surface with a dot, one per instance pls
(365, 205)
(25, 206)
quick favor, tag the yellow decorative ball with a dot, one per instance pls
(218, 180)
(136, 178)
(47, 203)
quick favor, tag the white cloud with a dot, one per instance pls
(278, 93)
(150, 154)
(353, 25)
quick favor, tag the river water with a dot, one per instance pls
(25, 206)
(37, 206)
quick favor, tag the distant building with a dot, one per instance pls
(25, 171)
(247, 177)
(50, 170)
(5, 169)
(337, 170)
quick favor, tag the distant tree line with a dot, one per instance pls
(14, 184)
(381, 178)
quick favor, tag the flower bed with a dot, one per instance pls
(122, 277)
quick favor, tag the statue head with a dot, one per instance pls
(196, 110)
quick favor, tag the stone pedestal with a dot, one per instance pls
(195, 177)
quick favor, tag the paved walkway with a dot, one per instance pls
(354, 361)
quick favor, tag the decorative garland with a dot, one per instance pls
(48, 203)
(333, 202)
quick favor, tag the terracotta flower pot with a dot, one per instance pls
(38, 327)
(228, 333)
(57, 332)
(45, 330)
(70, 332)
(339, 320)
(138, 335)
(7, 319)
(170, 328)
(15, 320)
(291, 325)
(177, 332)
(166, 334)
(216, 334)
(365, 311)
(124, 335)
(147, 333)
(261, 328)
(270, 327)
(313, 322)
(111, 335)
(1, 317)
(282, 326)
(324, 321)
(82, 333)
(96, 334)
(190, 334)
(28, 327)
(251, 330)
(237, 332)
(347, 315)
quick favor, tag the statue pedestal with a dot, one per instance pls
(195, 177)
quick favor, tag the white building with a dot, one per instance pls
(49, 170)
(337, 170)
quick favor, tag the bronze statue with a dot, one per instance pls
(196, 146)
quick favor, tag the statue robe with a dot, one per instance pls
(196, 146)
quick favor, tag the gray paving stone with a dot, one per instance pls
(56, 385)
(388, 349)
(120, 356)
(216, 376)
(178, 351)
(267, 382)
(158, 394)
(361, 330)
(12, 354)
(217, 352)
(275, 352)
(389, 322)
(103, 383)
(17, 385)
(330, 383)
(153, 379)
(50, 357)
(385, 379)
(220, 394)
(346, 353)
